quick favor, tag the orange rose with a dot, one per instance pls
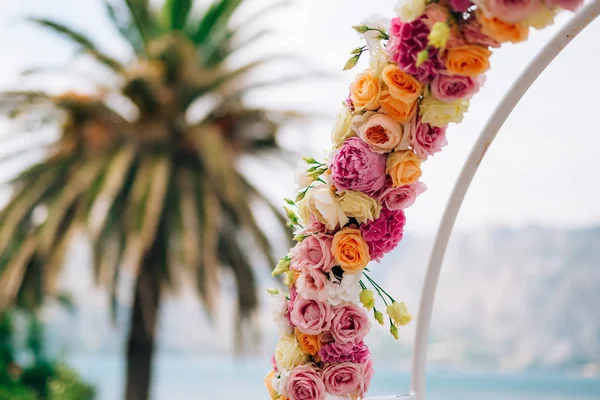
(269, 384)
(365, 92)
(310, 344)
(501, 31)
(469, 60)
(400, 85)
(399, 110)
(350, 250)
(404, 167)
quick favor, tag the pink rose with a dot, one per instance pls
(460, 5)
(335, 353)
(512, 11)
(367, 373)
(312, 227)
(342, 379)
(356, 167)
(350, 324)
(312, 284)
(435, 13)
(383, 234)
(313, 252)
(304, 383)
(449, 88)
(402, 197)
(310, 316)
(571, 5)
(427, 140)
(471, 31)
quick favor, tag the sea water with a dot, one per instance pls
(195, 378)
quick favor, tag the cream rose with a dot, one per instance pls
(321, 204)
(380, 131)
(440, 114)
(342, 130)
(409, 10)
(360, 206)
(288, 353)
(404, 167)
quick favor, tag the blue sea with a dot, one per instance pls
(194, 378)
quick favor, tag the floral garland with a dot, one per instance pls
(425, 65)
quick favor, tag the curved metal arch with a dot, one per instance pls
(583, 18)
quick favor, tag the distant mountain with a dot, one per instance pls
(509, 299)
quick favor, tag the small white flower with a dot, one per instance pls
(376, 25)
(346, 290)
(409, 10)
(280, 381)
(302, 178)
(278, 304)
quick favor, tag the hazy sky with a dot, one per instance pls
(540, 170)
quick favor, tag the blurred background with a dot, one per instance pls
(145, 147)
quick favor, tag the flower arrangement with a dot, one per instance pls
(424, 67)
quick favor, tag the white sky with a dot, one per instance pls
(540, 170)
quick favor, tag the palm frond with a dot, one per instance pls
(142, 19)
(11, 275)
(81, 40)
(126, 28)
(214, 22)
(175, 13)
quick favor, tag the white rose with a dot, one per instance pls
(342, 130)
(288, 353)
(278, 304)
(321, 203)
(346, 290)
(381, 132)
(409, 10)
(302, 178)
(360, 206)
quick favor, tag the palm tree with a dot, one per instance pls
(156, 191)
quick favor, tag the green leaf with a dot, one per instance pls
(126, 28)
(214, 21)
(142, 19)
(175, 13)
(82, 41)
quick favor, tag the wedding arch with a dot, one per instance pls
(584, 17)
(350, 208)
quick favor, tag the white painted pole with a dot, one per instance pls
(583, 18)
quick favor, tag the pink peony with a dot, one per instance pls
(571, 5)
(407, 40)
(310, 316)
(304, 383)
(512, 11)
(342, 379)
(426, 139)
(402, 197)
(383, 234)
(449, 88)
(460, 5)
(350, 324)
(313, 252)
(356, 167)
(334, 353)
(312, 284)
(471, 31)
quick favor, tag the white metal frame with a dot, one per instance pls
(583, 18)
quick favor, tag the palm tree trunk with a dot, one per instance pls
(142, 330)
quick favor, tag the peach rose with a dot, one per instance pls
(365, 92)
(501, 31)
(269, 384)
(310, 344)
(350, 250)
(469, 60)
(400, 85)
(397, 109)
(404, 167)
